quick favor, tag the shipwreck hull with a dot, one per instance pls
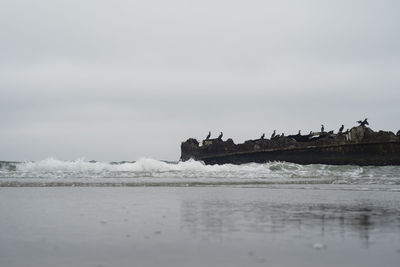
(359, 146)
(353, 154)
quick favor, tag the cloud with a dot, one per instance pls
(123, 79)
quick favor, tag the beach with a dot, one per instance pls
(199, 133)
(271, 225)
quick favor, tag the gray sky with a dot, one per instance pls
(118, 80)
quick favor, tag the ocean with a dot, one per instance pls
(151, 172)
(157, 213)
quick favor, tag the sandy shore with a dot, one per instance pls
(198, 226)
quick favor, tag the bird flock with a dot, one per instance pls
(274, 135)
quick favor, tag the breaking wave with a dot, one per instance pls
(147, 171)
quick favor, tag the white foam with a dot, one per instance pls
(151, 170)
(142, 165)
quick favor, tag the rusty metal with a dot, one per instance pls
(359, 146)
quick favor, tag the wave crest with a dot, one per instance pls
(151, 170)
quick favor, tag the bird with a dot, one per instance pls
(208, 136)
(322, 128)
(341, 129)
(220, 136)
(299, 132)
(262, 136)
(364, 122)
(273, 134)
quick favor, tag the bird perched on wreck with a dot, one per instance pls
(322, 128)
(220, 136)
(262, 136)
(341, 129)
(364, 122)
(299, 133)
(208, 136)
(273, 134)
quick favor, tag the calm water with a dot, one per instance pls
(198, 226)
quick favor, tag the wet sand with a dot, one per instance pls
(198, 226)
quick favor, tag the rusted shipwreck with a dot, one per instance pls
(358, 146)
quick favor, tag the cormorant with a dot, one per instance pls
(220, 136)
(299, 132)
(262, 136)
(322, 128)
(341, 129)
(273, 134)
(208, 136)
(364, 122)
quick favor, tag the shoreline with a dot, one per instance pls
(198, 226)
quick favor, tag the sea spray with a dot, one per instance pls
(154, 172)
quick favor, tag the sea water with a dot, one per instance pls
(146, 171)
(155, 213)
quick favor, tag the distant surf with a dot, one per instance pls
(147, 171)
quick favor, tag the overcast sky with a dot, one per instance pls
(120, 80)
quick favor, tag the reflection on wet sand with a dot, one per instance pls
(227, 217)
